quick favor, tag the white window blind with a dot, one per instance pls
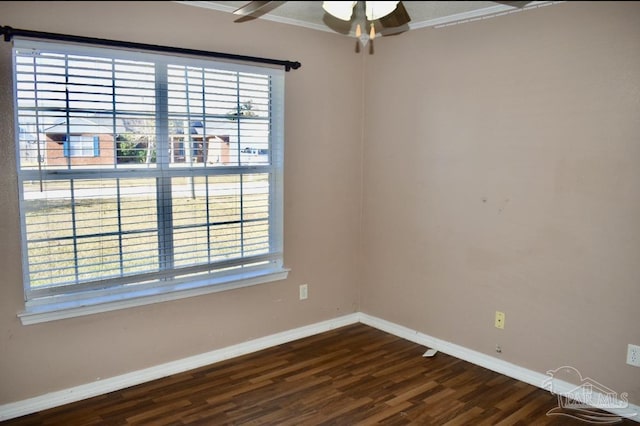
(144, 172)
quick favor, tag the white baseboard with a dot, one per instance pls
(77, 393)
(559, 387)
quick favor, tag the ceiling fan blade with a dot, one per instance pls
(251, 7)
(397, 18)
(390, 31)
(518, 4)
(256, 9)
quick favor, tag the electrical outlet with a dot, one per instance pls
(499, 319)
(633, 355)
(304, 291)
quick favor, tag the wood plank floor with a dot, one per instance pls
(348, 376)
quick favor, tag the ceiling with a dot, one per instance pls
(423, 14)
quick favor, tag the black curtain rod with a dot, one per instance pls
(9, 33)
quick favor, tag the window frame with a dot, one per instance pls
(50, 305)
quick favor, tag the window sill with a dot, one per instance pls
(52, 311)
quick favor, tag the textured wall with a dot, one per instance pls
(501, 173)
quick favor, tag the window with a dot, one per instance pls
(134, 183)
(82, 146)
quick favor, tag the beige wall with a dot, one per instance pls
(502, 172)
(500, 165)
(322, 204)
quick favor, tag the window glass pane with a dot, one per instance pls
(65, 99)
(218, 118)
(82, 230)
(220, 218)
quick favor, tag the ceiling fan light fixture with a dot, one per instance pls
(364, 37)
(340, 9)
(379, 9)
(366, 13)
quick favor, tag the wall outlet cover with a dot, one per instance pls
(633, 355)
(304, 292)
(500, 318)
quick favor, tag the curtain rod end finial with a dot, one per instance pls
(7, 32)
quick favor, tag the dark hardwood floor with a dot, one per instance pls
(348, 376)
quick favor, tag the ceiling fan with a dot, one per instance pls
(382, 17)
(371, 18)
